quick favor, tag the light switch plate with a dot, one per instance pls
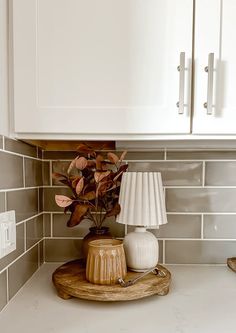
(7, 233)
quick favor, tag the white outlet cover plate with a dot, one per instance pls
(7, 232)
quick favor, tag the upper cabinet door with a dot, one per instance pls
(215, 67)
(102, 66)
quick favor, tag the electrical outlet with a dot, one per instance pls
(7, 233)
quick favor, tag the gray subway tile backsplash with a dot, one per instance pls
(180, 226)
(46, 172)
(19, 159)
(219, 226)
(34, 231)
(24, 202)
(33, 172)
(21, 270)
(59, 155)
(145, 155)
(63, 249)
(2, 202)
(173, 173)
(41, 252)
(198, 251)
(220, 173)
(11, 175)
(201, 200)
(201, 154)
(20, 147)
(3, 289)
(47, 225)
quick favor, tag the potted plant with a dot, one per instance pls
(94, 181)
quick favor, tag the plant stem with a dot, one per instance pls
(93, 219)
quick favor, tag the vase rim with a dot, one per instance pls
(108, 242)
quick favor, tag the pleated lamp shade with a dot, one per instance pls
(142, 200)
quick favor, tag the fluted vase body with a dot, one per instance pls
(106, 261)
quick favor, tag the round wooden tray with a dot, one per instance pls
(70, 281)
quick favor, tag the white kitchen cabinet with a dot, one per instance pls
(215, 42)
(4, 111)
(101, 67)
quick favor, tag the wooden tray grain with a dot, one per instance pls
(70, 281)
(231, 262)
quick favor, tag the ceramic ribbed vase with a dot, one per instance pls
(105, 261)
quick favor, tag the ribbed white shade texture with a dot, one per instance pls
(142, 200)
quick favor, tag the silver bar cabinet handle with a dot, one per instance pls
(210, 70)
(181, 69)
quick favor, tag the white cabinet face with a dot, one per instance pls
(101, 66)
(215, 35)
(4, 128)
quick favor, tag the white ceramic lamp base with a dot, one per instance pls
(141, 250)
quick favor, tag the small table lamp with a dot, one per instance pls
(143, 205)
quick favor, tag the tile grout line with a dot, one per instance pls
(165, 154)
(162, 239)
(20, 189)
(18, 154)
(25, 237)
(153, 160)
(24, 172)
(126, 229)
(38, 200)
(168, 213)
(5, 203)
(202, 226)
(166, 186)
(29, 218)
(44, 256)
(7, 276)
(51, 224)
(38, 254)
(203, 173)
(3, 142)
(50, 172)
(164, 251)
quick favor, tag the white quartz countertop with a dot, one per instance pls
(202, 299)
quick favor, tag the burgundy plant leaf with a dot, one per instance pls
(104, 165)
(79, 186)
(81, 163)
(77, 215)
(123, 155)
(63, 201)
(99, 160)
(123, 167)
(114, 211)
(118, 176)
(86, 149)
(99, 176)
(58, 176)
(91, 164)
(74, 180)
(72, 165)
(88, 196)
(113, 158)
